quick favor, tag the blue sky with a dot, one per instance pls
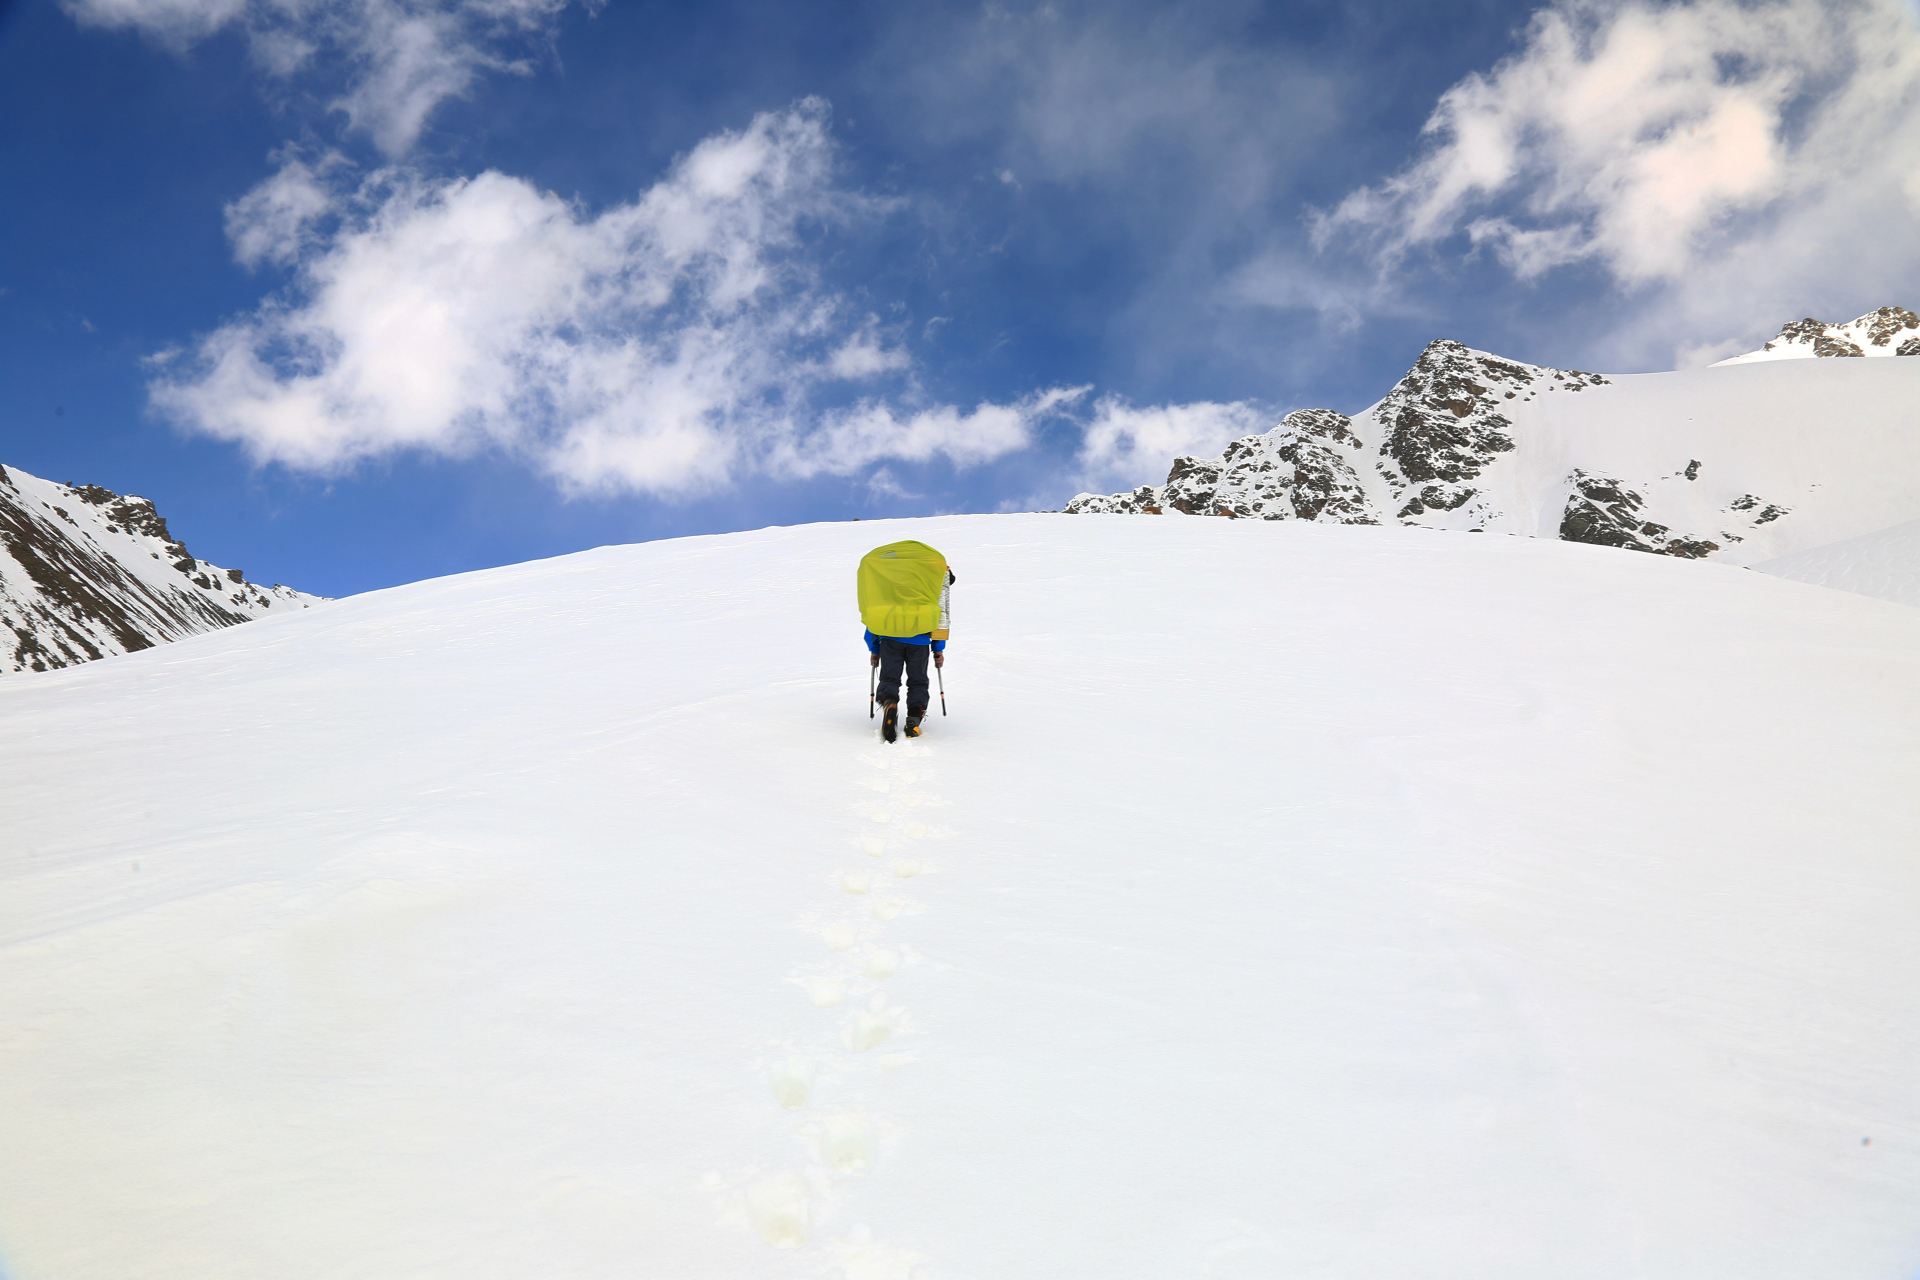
(365, 292)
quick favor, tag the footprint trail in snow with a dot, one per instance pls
(856, 921)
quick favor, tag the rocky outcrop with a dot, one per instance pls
(1601, 510)
(1303, 469)
(1144, 501)
(86, 572)
(1325, 485)
(1442, 423)
(1889, 331)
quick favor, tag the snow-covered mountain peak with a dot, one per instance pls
(1889, 331)
(1446, 421)
(86, 572)
(1733, 464)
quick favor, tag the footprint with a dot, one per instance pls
(913, 802)
(906, 869)
(878, 784)
(887, 908)
(856, 884)
(871, 1026)
(838, 936)
(913, 830)
(880, 815)
(862, 1257)
(792, 1083)
(873, 847)
(825, 991)
(883, 962)
(780, 1211)
(848, 1143)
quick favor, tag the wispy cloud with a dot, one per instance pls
(403, 57)
(1178, 137)
(1125, 445)
(1672, 145)
(275, 221)
(849, 439)
(664, 346)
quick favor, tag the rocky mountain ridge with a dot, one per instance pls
(1665, 463)
(86, 572)
(1888, 331)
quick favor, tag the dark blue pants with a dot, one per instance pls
(895, 654)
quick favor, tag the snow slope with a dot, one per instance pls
(1885, 564)
(85, 573)
(1279, 899)
(1738, 464)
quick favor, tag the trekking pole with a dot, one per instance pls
(943, 690)
(870, 674)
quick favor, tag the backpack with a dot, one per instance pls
(900, 586)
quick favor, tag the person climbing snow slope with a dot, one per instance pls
(906, 595)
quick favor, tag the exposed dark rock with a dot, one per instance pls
(1822, 336)
(1300, 470)
(1888, 323)
(1604, 512)
(1436, 498)
(1142, 501)
(1880, 328)
(1325, 487)
(1441, 426)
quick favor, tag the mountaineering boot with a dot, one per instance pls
(888, 721)
(913, 721)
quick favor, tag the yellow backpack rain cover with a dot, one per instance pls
(900, 588)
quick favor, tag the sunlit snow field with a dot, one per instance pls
(1276, 900)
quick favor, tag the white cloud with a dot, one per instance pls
(884, 484)
(1655, 138)
(406, 56)
(864, 355)
(663, 346)
(175, 22)
(1125, 446)
(852, 438)
(273, 222)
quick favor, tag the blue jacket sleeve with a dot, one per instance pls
(873, 645)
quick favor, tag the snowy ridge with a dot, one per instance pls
(1736, 464)
(1889, 331)
(86, 572)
